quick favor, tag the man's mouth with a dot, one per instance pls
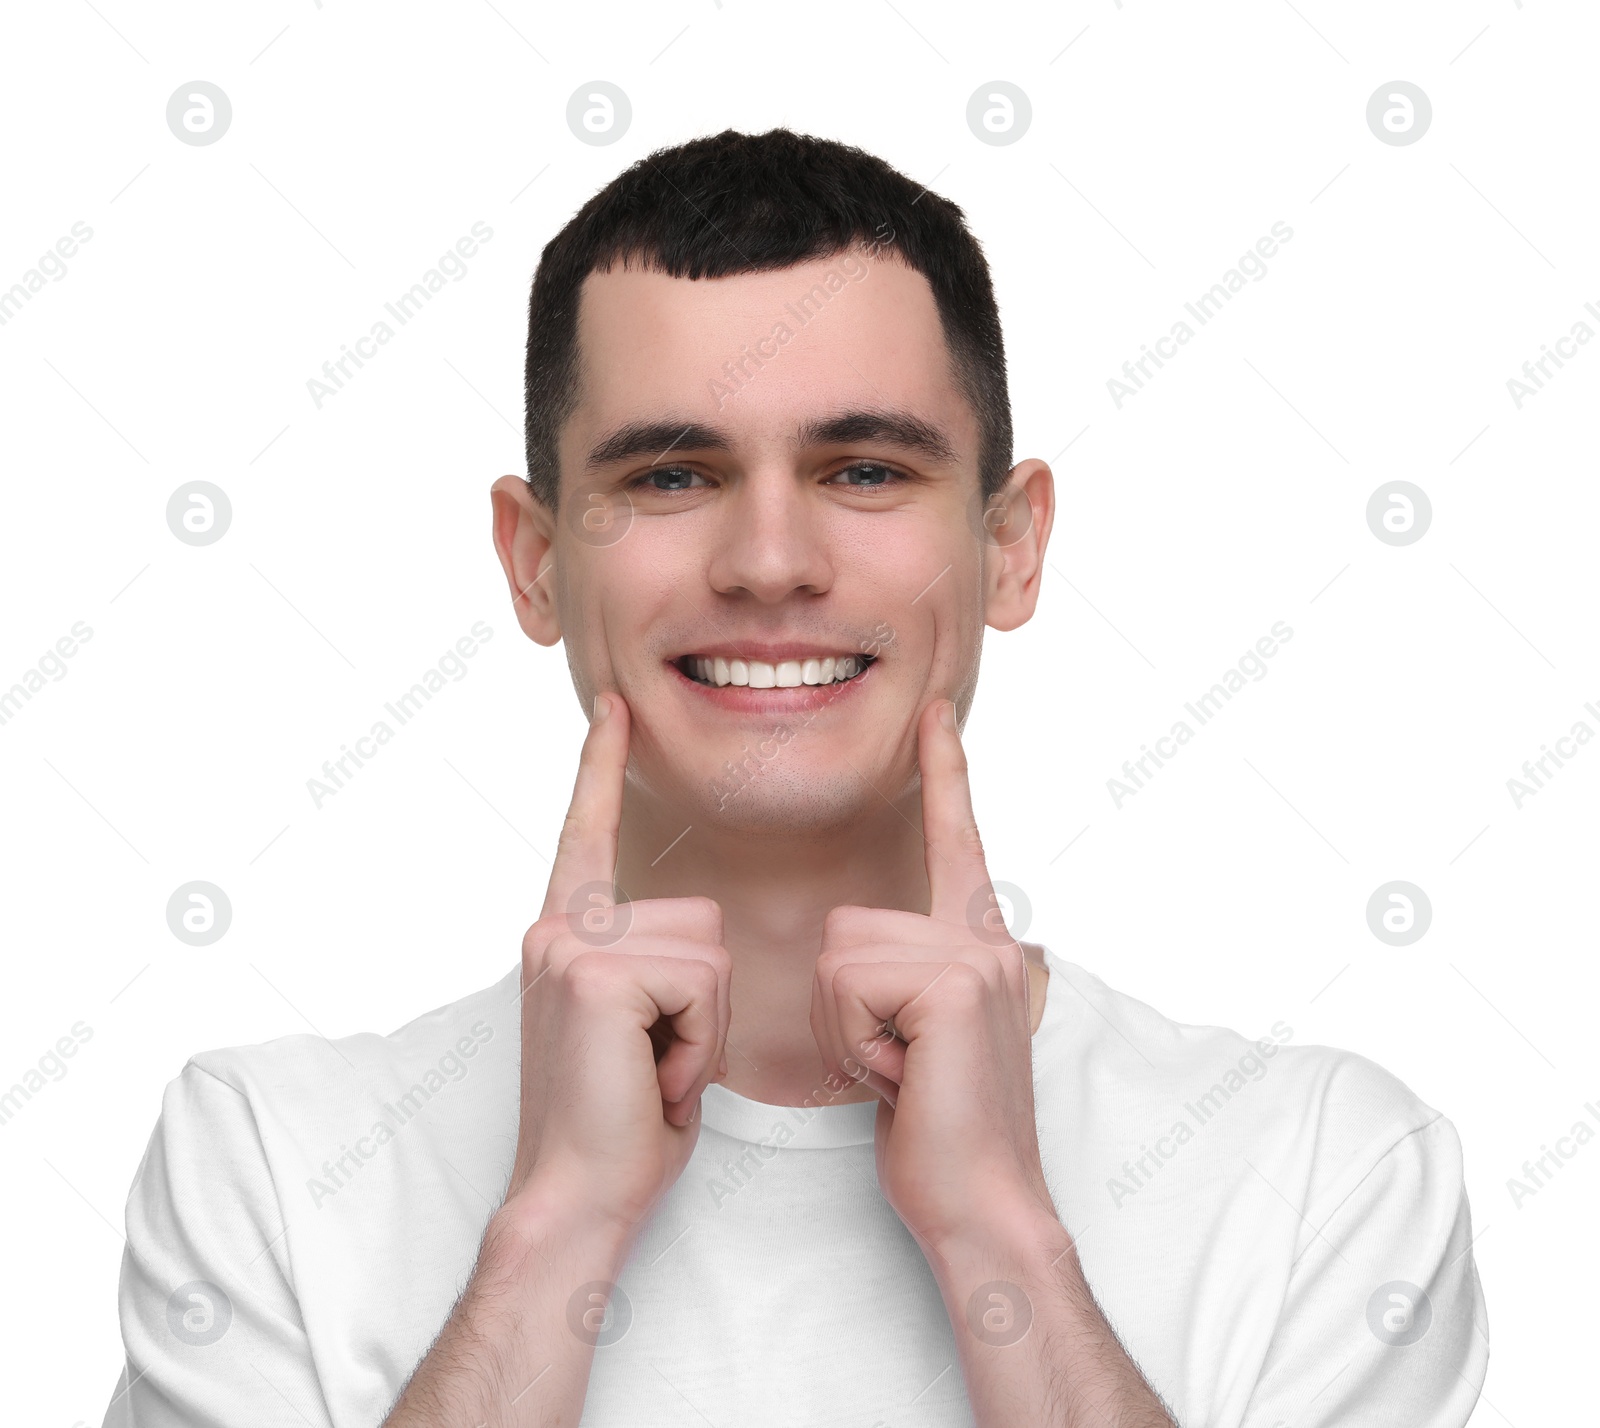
(719, 672)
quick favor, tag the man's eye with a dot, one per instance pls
(872, 473)
(666, 478)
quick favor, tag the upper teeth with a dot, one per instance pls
(786, 674)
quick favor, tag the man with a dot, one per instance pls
(774, 1121)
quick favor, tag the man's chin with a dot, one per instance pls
(775, 779)
(756, 800)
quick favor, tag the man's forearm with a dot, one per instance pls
(519, 1344)
(1035, 1349)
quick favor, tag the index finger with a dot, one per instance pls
(587, 852)
(958, 877)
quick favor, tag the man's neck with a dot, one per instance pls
(775, 890)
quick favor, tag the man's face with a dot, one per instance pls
(770, 477)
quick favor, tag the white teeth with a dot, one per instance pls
(786, 674)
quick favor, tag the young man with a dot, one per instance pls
(774, 1121)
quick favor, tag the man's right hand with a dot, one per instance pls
(624, 1015)
(607, 1124)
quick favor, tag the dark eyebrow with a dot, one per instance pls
(644, 438)
(898, 428)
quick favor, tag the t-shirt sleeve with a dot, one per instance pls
(210, 1323)
(1383, 1320)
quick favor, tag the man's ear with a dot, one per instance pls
(1017, 519)
(523, 531)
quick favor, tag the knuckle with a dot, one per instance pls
(537, 939)
(706, 976)
(571, 834)
(705, 915)
(842, 920)
(971, 838)
(700, 906)
(845, 974)
(966, 984)
(588, 977)
(829, 962)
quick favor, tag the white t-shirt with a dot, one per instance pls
(1256, 1220)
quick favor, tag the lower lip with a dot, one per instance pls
(798, 699)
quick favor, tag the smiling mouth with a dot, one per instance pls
(715, 672)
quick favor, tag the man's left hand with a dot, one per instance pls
(933, 1014)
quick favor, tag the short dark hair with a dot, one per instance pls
(744, 203)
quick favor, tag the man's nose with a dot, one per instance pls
(774, 539)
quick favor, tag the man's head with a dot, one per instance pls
(767, 423)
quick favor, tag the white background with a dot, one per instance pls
(1229, 494)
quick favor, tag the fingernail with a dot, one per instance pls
(602, 707)
(947, 715)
